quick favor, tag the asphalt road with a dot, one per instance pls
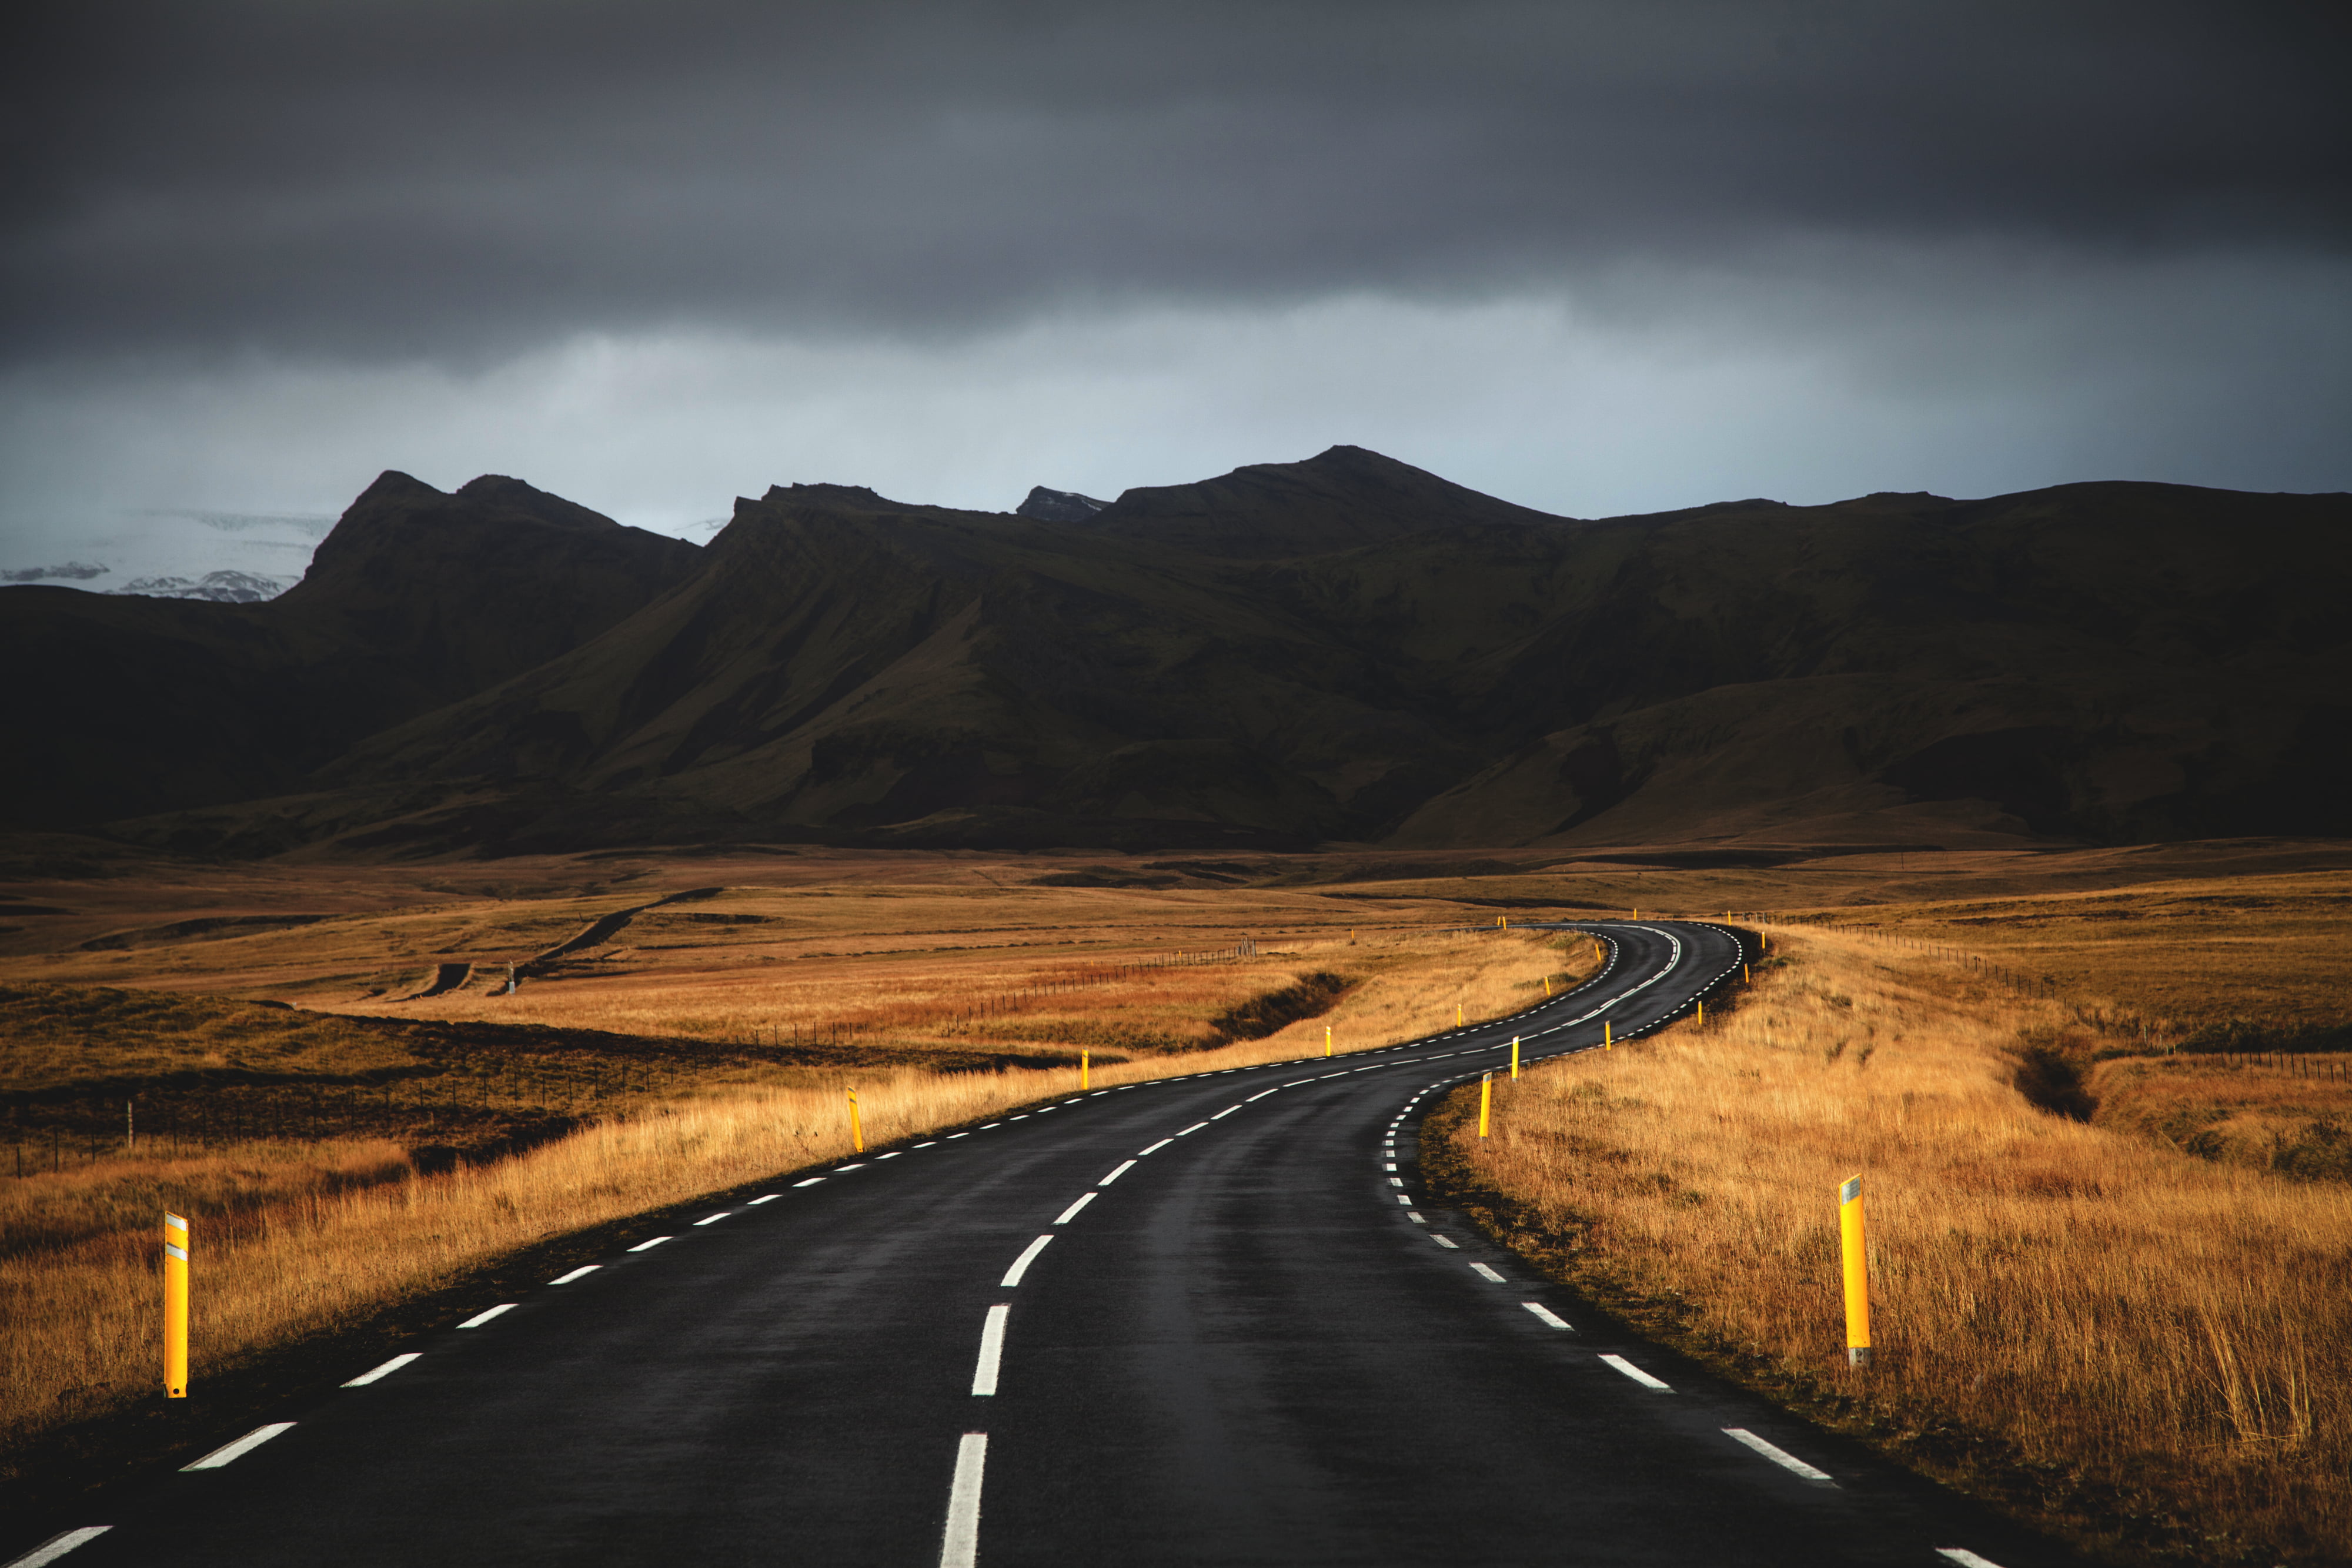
(1204, 1320)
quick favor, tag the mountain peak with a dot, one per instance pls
(1058, 506)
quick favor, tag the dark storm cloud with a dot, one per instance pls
(361, 179)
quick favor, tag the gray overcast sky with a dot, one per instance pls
(1595, 258)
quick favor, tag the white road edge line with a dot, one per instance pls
(581, 1272)
(56, 1546)
(1072, 1212)
(992, 1349)
(811, 1182)
(1191, 1130)
(386, 1370)
(1966, 1558)
(478, 1319)
(1124, 1167)
(1545, 1316)
(241, 1448)
(1225, 1112)
(960, 1547)
(1264, 1093)
(1780, 1456)
(1154, 1148)
(649, 1246)
(763, 1197)
(1485, 1273)
(715, 1219)
(1444, 1240)
(1020, 1264)
(1636, 1373)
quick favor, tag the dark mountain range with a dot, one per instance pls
(1344, 649)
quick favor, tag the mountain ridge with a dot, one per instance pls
(1343, 649)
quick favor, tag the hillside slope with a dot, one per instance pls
(415, 600)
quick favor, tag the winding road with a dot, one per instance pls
(1203, 1320)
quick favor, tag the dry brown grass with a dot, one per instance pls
(2290, 1115)
(2142, 1336)
(339, 1240)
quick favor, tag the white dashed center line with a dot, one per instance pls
(1225, 1112)
(992, 1349)
(579, 1274)
(859, 1167)
(892, 1154)
(56, 1546)
(242, 1447)
(1415, 1218)
(1191, 1130)
(1020, 1264)
(386, 1370)
(1442, 1241)
(763, 1197)
(478, 1319)
(1780, 1456)
(1154, 1148)
(1545, 1316)
(1124, 1167)
(1264, 1093)
(811, 1182)
(960, 1547)
(1636, 1373)
(1966, 1558)
(1072, 1212)
(713, 1218)
(1485, 1273)
(649, 1246)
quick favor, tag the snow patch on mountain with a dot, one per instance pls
(221, 586)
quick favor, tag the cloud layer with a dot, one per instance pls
(2083, 234)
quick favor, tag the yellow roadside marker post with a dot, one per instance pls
(1485, 1099)
(1607, 1039)
(856, 1128)
(1457, 1014)
(1515, 1056)
(175, 1306)
(1086, 1062)
(1702, 1012)
(1546, 987)
(1857, 1274)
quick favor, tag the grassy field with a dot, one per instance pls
(304, 1226)
(2148, 1349)
(2027, 1039)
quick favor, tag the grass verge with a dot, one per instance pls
(2148, 1352)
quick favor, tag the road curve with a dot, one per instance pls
(1204, 1320)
